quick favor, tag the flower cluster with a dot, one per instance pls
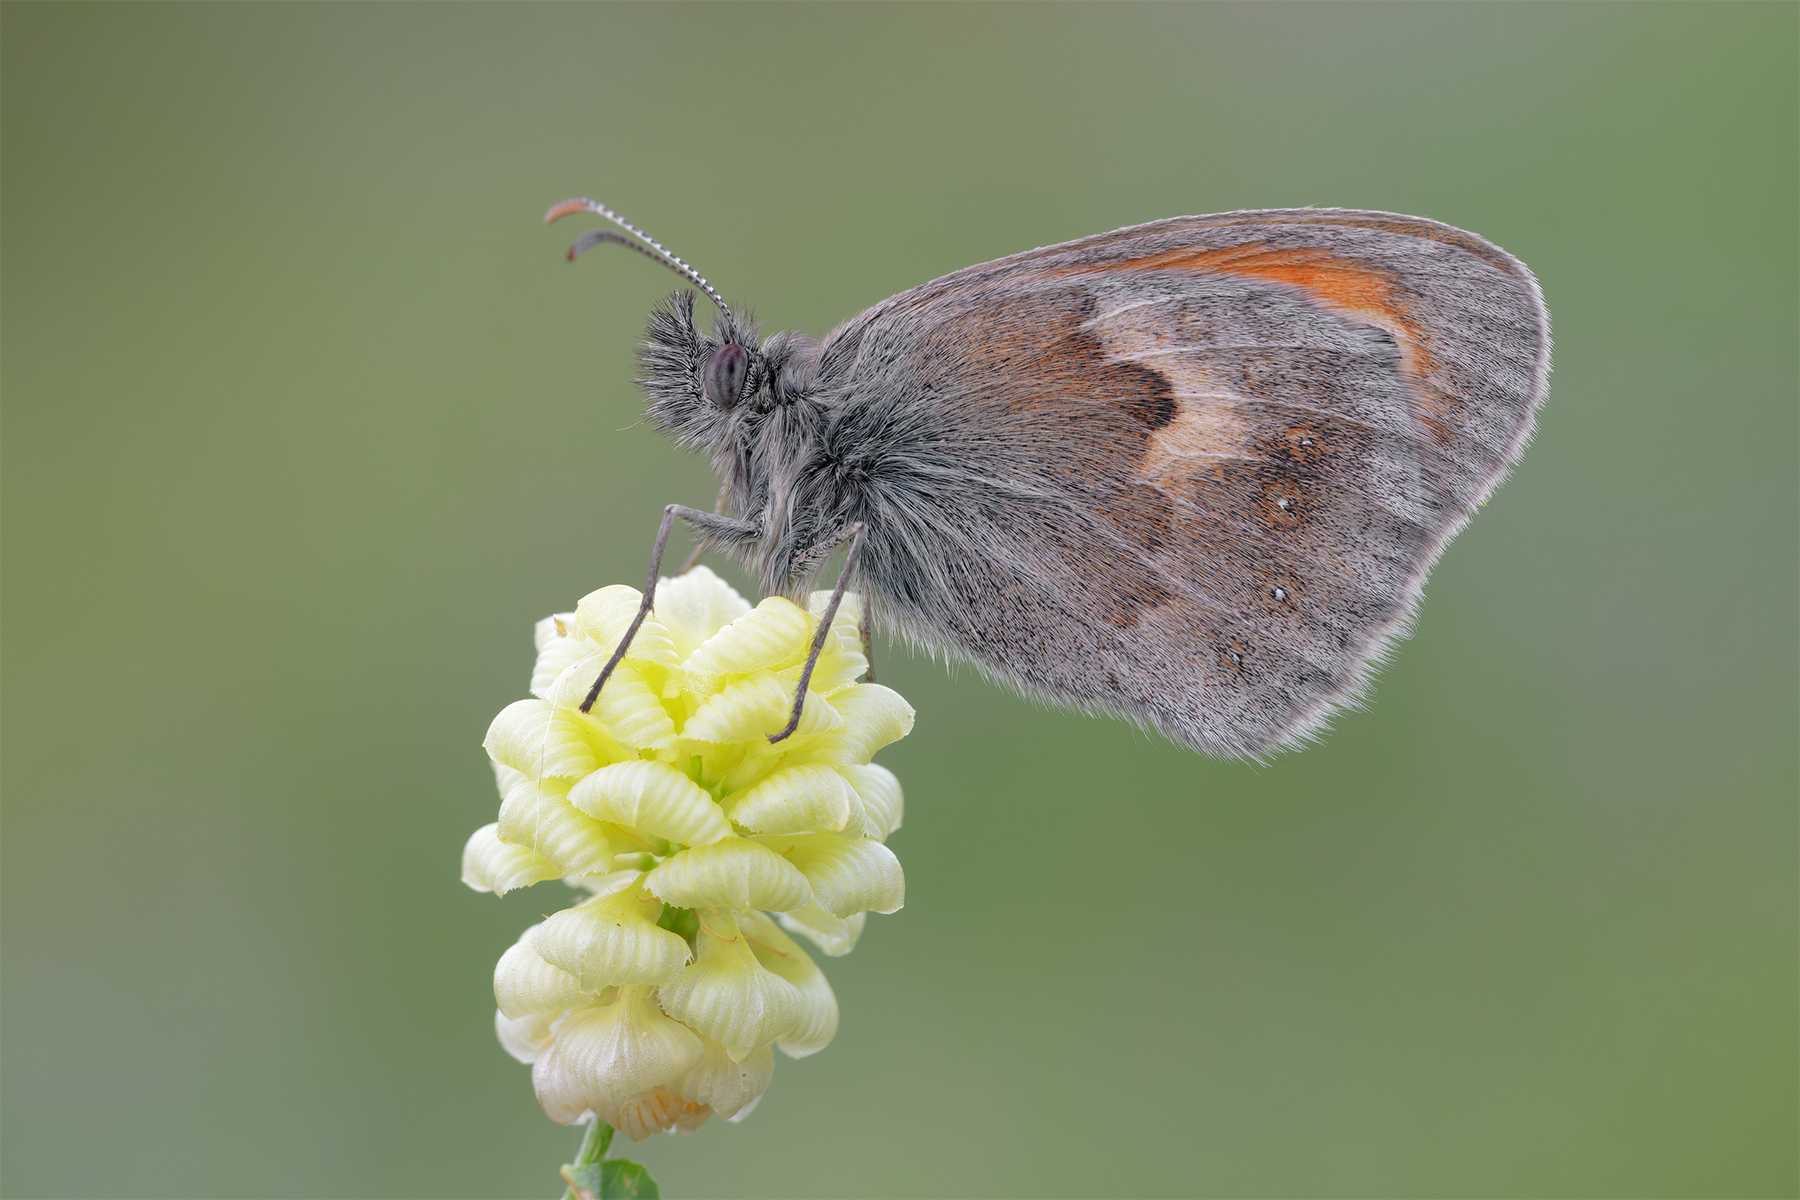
(656, 1001)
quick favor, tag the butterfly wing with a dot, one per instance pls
(1192, 472)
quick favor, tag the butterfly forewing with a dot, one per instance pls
(1195, 471)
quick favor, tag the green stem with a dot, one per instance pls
(593, 1148)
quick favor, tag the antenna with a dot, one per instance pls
(657, 251)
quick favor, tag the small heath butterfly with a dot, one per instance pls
(1193, 473)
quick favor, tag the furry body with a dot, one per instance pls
(1192, 472)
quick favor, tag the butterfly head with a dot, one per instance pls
(714, 390)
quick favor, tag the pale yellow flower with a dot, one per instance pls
(658, 1000)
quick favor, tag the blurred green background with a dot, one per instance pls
(306, 422)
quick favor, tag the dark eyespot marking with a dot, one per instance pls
(1231, 655)
(723, 377)
(1284, 503)
(1302, 443)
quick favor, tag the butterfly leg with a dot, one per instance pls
(853, 531)
(693, 559)
(703, 522)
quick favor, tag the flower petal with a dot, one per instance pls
(540, 740)
(612, 940)
(848, 875)
(524, 983)
(726, 993)
(799, 800)
(566, 1099)
(654, 797)
(559, 643)
(848, 621)
(605, 615)
(505, 777)
(694, 606)
(836, 936)
(756, 707)
(628, 710)
(724, 1085)
(841, 661)
(491, 865)
(654, 1111)
(816, 1018)
(625, 1047)
(872, 717)
(770, 636)
(734, 873)
(538, 816)
(523, 1037)
(883, 805)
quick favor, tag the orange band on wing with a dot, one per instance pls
(1347, 285)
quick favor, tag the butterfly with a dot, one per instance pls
(1192, 473)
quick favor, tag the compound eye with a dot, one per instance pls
(723, 377)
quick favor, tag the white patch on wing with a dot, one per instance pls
(1206, 425)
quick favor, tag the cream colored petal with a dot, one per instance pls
(551, 628)
(540, 740)
(505, 777)
(835, 936)
(849, 613)
(625, 1047)
(883, 805)
(560, 646)
(612, 940)
(694, 606)
(752, 761)
(654, 1111)
(523, 1037)
(613, 881)
(524, 983)
(848, 875)
(734, 873)
(839, 666)
(816, 1018)
(756, 707)
(727, 994)
(872, 716)
(799, 800)
(653, 797)
(491, 865)
(538, 816)
(605, 615)
(627, 841)
(628, 709)
(770, 636)
(723, 1085)
(841, 660)
(566, 1099)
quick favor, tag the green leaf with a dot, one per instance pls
(621, 1179)
(583, 1180)
(584, 1176)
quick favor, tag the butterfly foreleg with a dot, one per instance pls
(853, 531)
(693, 560)
(703, 523)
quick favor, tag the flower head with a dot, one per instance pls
(657, 1000)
